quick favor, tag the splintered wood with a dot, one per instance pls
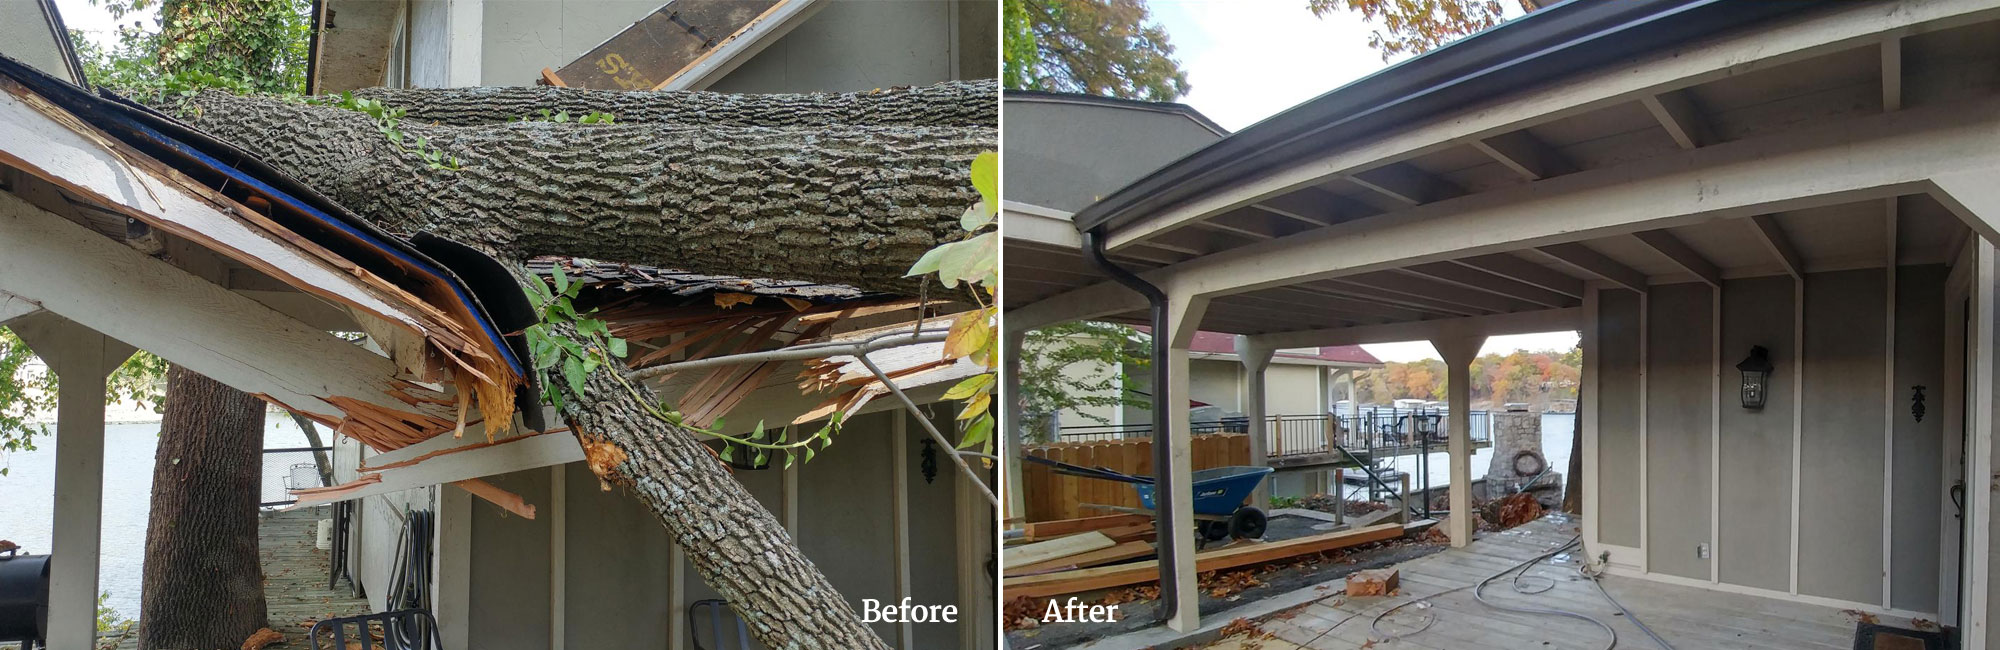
(1373, 582)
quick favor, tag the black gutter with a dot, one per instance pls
(1166, 485)
(1530, 51)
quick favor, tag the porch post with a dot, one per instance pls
(1458, 352)
(1176, 519)
(81, 358)
(1014, 426)
(1256, 360)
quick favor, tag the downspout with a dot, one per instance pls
(1165, 490)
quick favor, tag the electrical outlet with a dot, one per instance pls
(1701, 551)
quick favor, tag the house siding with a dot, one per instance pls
(1842, 361)
(1680, 361)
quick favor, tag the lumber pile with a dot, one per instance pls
(1104, 577)
(1069, 544)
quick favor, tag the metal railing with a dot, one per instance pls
(291, 469)
(1289, 435)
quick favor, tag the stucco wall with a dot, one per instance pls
(1216, 382)
(849, 45)
(1843, 358)
(1294, 390)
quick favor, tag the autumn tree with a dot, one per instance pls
(1092, 47)
(1419, 26)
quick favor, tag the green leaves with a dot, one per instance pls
(973, 261)
(386, 119)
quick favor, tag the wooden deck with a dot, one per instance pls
(295, 593)
(1688, 617)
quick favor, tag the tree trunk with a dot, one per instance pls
(837, 204)
(954, 103)
(203, 586)
(732, 541)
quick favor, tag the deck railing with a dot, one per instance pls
(1401, 430)
(290, 469)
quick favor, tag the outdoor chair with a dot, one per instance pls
(409, 629)
(720, 617)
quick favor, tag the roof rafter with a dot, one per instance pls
(1524, 153)
(1588, 260)
(1406, 184)
(1773, 237)
(1509, 266)
(1678, 115)
(1681, 254)
(1497, 285)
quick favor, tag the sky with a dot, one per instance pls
(96, 23)
(1250, 59)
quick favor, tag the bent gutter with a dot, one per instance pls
(1533, 50)
(1166, 490)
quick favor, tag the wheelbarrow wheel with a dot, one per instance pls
(1215, 530)
(1247, 523)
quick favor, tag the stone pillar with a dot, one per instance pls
(1516, 434)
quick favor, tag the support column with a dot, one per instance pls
(1458, 352)
(81, 358)
(1176, 521)
(453, 560)
(1012, 421)
(1256, 360)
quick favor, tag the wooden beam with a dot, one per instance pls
(13, 307)
(1590, 261)
(1069, 582)
(1345, 287)
(149, 303)
(1798, 37)
(1892, 73)
(1316, 206)
(1252, 223)
(1773, 237)
(1497, 285)
(1406, 183)
(1408, 282)
(1681, 254)
(1527, 155)
(1525, 322)
(1040, 530)
(1678, 115)
(1510, 266)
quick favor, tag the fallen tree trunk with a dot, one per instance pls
(736, 545)
(818, 201)
(954, 103)
(833, 204)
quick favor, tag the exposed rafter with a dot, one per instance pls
(1315, 206)
(1407, 282)
(1342, 287)
(1359, 306)
(1892, 73)
(1774, 239)
(1527, 322)
(13, 306)
(1682, 255)
(1527, 155)
(1490, 283)
(1678, 115)
(1590, 261)
(1252, 223)
(1509, 266)
(1406, 184)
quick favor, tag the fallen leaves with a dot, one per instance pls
(263, 637)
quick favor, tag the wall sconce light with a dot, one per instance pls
(1756, 371)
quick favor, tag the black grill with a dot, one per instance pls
(24, 598)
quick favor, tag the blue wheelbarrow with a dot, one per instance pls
(1220, 495)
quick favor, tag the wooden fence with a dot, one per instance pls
(1049, 496)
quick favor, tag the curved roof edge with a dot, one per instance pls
(1545, 45)
(1115, 102)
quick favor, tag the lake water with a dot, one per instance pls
(27, 499)
(1557, 428)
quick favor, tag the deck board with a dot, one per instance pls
(295, 593)
(1688, 617)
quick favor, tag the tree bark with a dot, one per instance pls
(954, 103)
(733, 542)
(203, 586)
(834, 204)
